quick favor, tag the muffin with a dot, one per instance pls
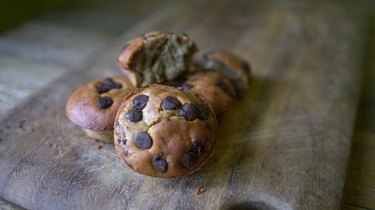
(214, 87)
(94, 106)
(157, 57)
(233, 66)
(161, 131)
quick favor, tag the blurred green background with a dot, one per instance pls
(13, 12)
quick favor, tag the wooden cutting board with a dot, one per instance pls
(284, 145)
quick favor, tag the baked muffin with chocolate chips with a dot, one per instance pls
(94, 106)
(162, 131)
(233, 66)
(214, 87)
(157, 57)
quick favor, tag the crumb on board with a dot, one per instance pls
(53, 145)
(21, 125)
(200, 190)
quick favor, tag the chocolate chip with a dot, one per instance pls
(190, 157)
(186, 86)
(247, 67)
(118, 141)
(170, 103)
(139, 102)
(134, 116)
(189, 111)
(111, 84)
(108, 80)
(125, 152)
(143, 140)
(221, 84)
(159, 163)
(104, 102)
(101, 89)
(108, 84)
(203, 111)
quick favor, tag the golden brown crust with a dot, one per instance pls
(132, 76)
(125, 60)
(82, 108)
(105, 136)
(130, 49)
(172, 135)
(214, 87)
(233, 66)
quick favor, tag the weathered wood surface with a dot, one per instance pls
(360, 182)
(284, 145)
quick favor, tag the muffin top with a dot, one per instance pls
(162, 131)
(233, 66)
(94, 105)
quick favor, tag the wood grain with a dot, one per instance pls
(14, 88)
(284, 145)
